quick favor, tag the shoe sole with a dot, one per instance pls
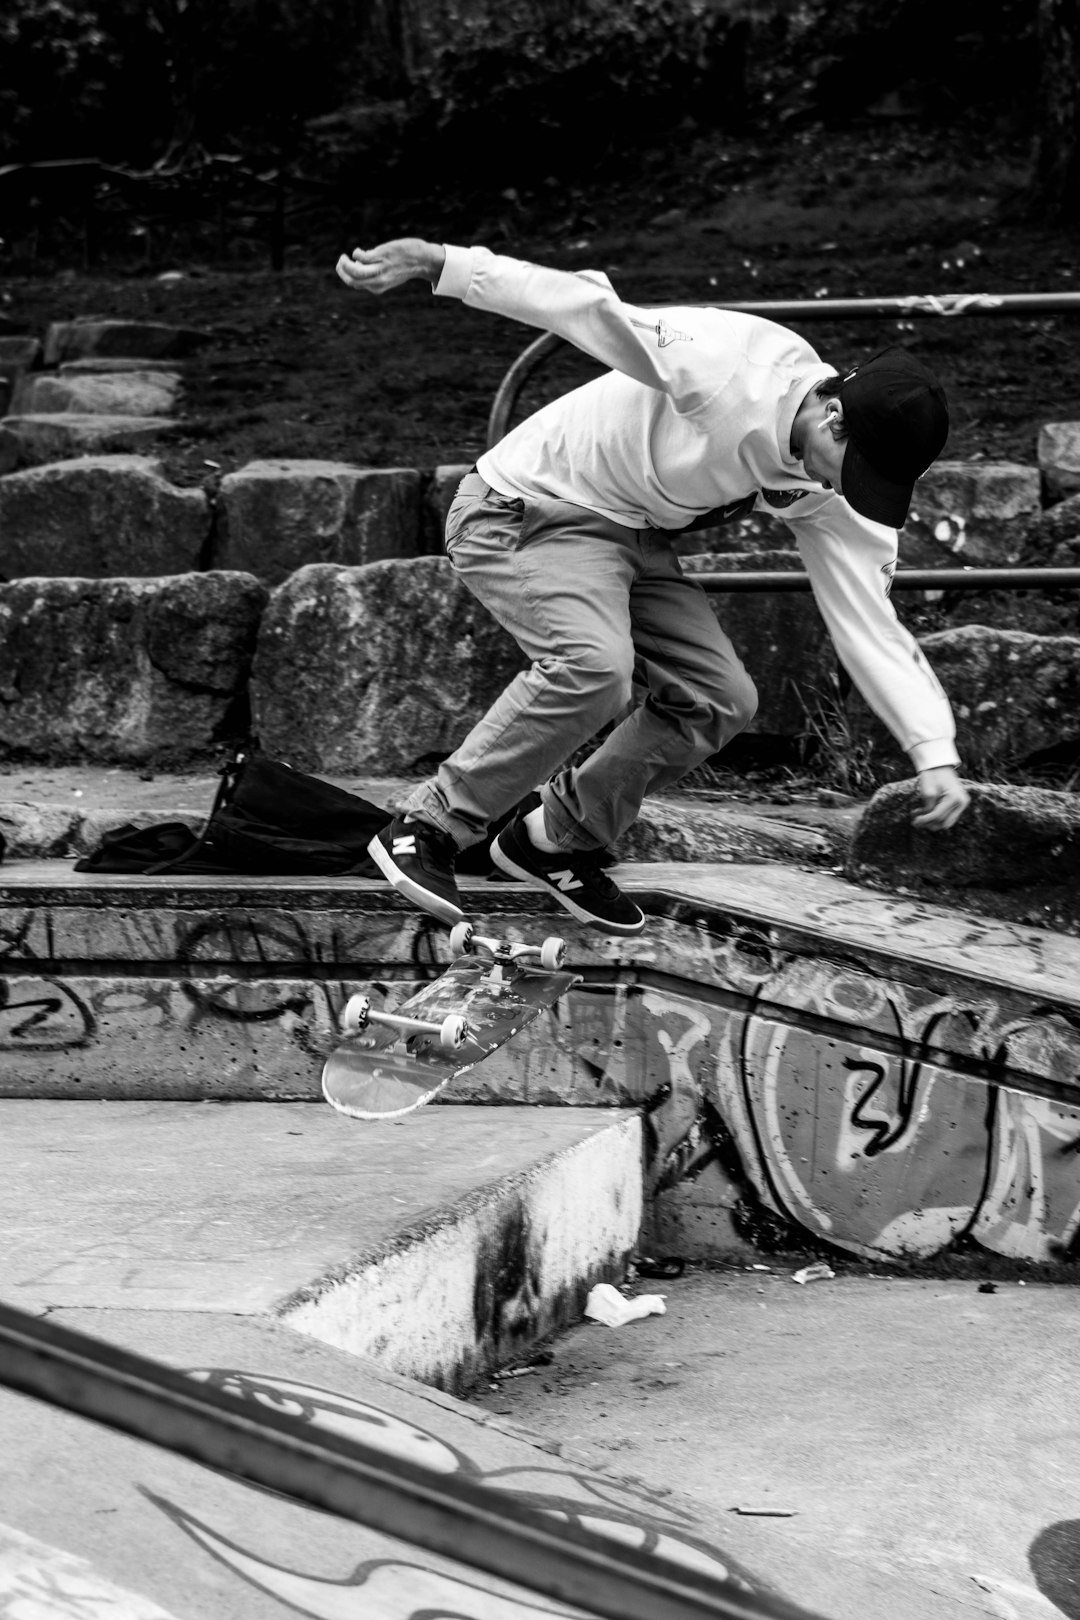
(426, 899)
(502, 860)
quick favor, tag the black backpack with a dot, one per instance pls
(266, 817)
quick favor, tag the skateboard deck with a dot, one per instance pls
(382, 1071)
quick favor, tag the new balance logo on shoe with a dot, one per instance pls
(564, 880)
(406, 845)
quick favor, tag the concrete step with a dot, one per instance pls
(440, 1250)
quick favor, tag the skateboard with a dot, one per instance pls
(390, 1063)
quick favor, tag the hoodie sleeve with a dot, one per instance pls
(584, 308)
(851, 562)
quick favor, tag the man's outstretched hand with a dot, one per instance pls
(379, 269)
(944, 798)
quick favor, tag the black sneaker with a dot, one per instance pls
(575, 877)
(419, 861)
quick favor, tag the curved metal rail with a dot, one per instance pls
(923, 305)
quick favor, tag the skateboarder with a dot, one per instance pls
(564, 532)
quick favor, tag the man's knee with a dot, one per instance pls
(600, 681)
(727, 712)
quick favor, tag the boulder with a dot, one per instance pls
(1012, 693)
(132, 671)
(129, 393)
(30, 441)
(779, 635)
(377, 669)
(1059, 459)
(278, 516)
(99, 515)
(970, 513)
(1052, 537)
(1009, 837)
(151, 340)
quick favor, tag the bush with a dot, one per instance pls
(529, 98)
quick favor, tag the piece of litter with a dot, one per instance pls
(606, 1305)
(816, 1273)
(761, 1268)
(759, 1511)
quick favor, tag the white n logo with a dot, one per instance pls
(405, 845)
(565, 880)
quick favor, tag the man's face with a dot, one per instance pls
(823, 452)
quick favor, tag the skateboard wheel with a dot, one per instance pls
(552, 954)
(356, 1015)
(461, 939)
(453, 1032)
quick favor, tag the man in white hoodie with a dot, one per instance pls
(564, 532)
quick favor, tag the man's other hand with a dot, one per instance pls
(944, 798)
(379, 269)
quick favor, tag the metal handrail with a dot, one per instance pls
(800, 309)
(455, 1518)
(719, 583)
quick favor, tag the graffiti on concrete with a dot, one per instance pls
(885, 1108)
(857, 1128)
(402, 1583)
(38, 1011)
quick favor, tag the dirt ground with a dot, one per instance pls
(299, 366)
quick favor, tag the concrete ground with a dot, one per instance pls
(915, 1426)
(875, 1449)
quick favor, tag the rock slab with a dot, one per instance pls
(151, 340)
(383, 668)
(30, 441)
(132, 671)
(278, 516)
(1009, 837)
(129, 393)
(96, 516)
(970, 512)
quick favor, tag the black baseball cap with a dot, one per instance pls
(897, 419)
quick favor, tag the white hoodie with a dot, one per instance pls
(696, 414)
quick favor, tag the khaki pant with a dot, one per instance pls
(612, 627)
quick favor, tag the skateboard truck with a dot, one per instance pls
(550, 954)
(452, 1031)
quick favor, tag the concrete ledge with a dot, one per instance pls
(885, 1075)
(439, 1250)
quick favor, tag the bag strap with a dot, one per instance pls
(230, 772)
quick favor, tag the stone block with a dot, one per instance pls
(970, 512)
(379, 668)
(131, 671)
(1059, 459)
(439, 493)
(130, 393)
(95, 516)
(278, 516)
(1009, 837)
(19, 354)
(30, 441)
(151, 340)
(1012, 693)
(779, 635)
